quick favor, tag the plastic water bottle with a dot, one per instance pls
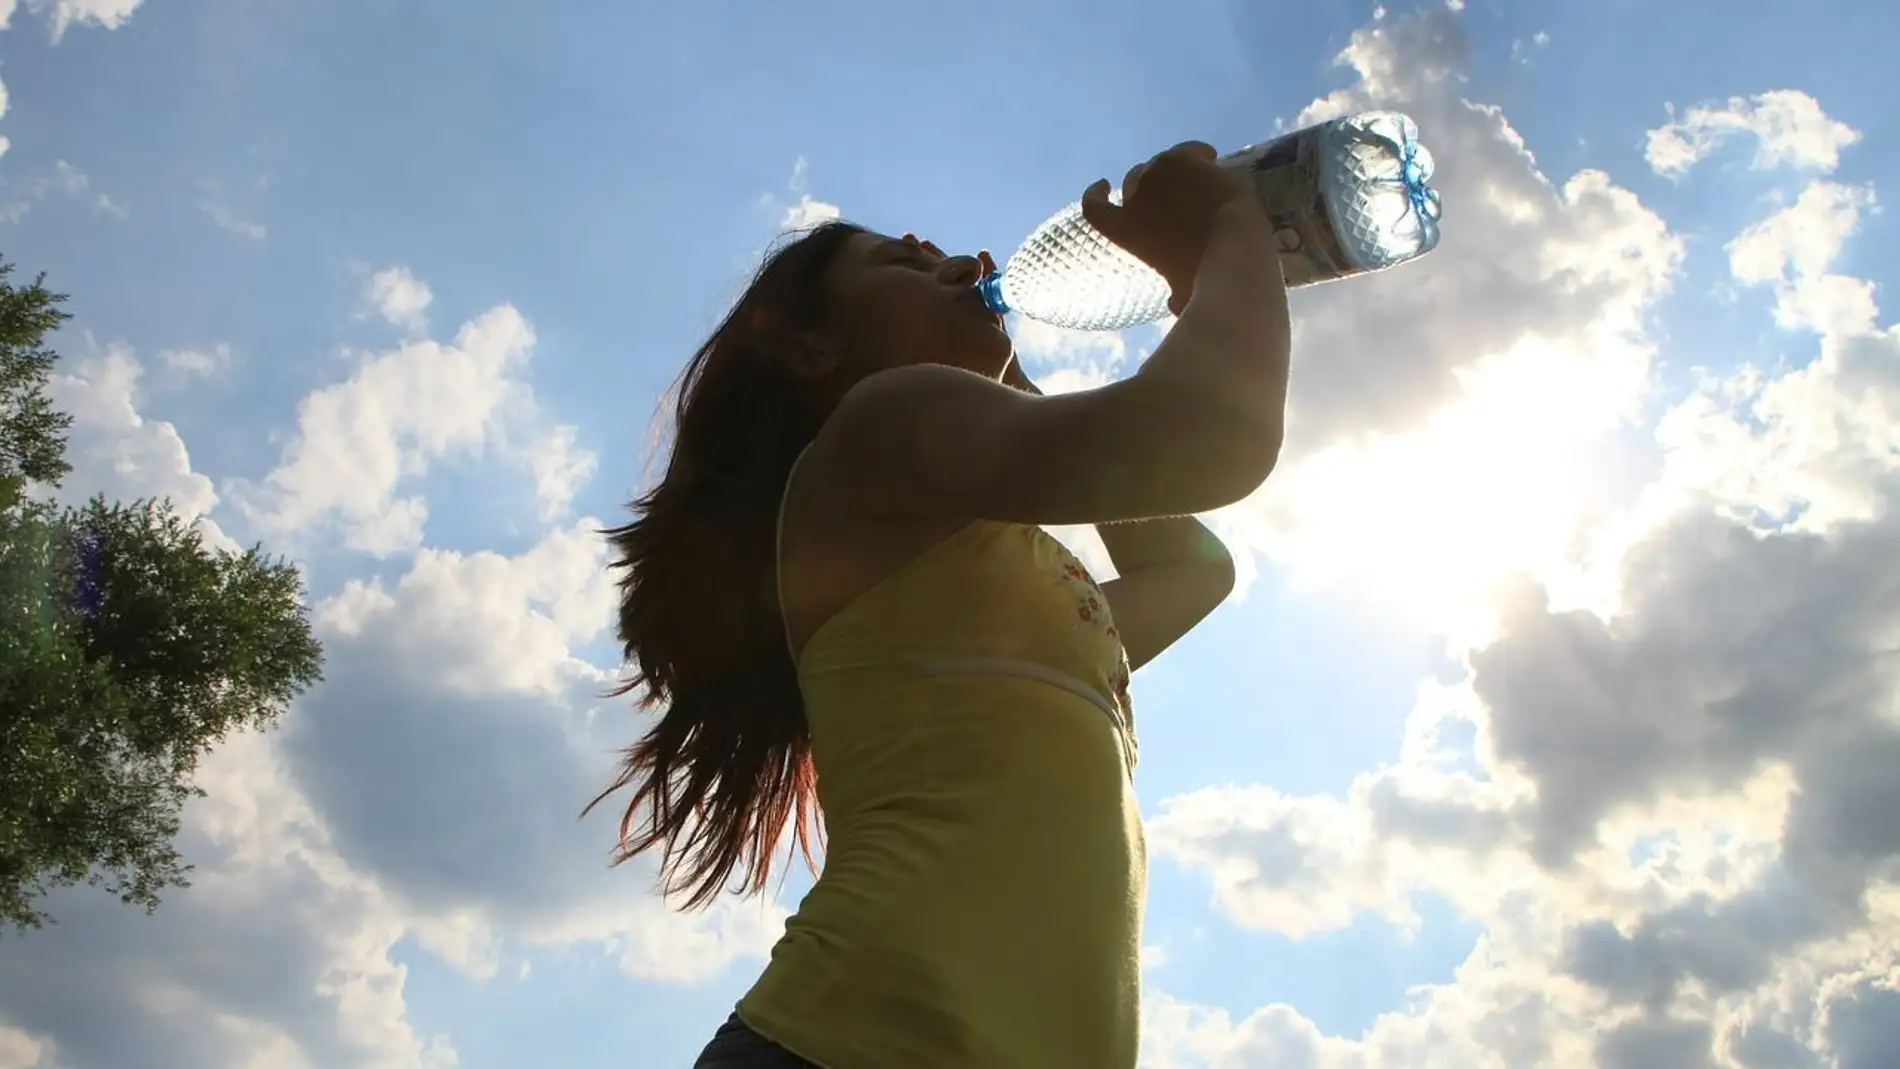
(1346, 197)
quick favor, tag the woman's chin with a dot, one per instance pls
(995, 352)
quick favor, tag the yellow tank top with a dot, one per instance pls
(982, 894)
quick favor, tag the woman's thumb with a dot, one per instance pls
(1097, 209)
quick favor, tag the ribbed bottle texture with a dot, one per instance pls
(1347, 196)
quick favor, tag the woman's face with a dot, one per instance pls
(896, 301)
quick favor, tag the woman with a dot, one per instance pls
(840, 594)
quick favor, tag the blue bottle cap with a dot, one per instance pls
(991, 290)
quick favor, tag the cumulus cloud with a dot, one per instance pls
(116, 451)
(805, 212)
(396, 294)
(425, 794)
(1667, 803)
(198, 361)
(1788, 126)
(1063, 361)
(1671, 810)
(1792, 249)
(1296, 865)
(401, 410)
(314, 987)
(1447, 418)
(1813, 447)
(454, 749)
(1522, 256)
(62, 15)
(361, 444)
(561, 466)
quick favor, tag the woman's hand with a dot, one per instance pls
(1168, 211)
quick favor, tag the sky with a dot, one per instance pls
(1556, 722)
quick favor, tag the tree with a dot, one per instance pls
(128, 649)
(32, 432)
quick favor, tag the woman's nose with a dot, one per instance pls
(960, 271)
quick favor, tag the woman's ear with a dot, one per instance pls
(810, 356)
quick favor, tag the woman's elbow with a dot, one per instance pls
(1247, 459)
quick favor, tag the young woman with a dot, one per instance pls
(840, 596)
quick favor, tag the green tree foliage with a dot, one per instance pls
(128, 649)
(32, 432)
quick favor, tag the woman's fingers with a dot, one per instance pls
(1101, 214)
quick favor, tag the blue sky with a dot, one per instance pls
(1561, 667)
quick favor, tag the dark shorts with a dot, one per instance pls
(735, 1046)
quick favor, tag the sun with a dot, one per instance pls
(1500, 482)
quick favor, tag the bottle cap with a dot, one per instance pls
(990, 288)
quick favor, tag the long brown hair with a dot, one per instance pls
(727, 767)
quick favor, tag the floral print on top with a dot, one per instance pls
(1091, 608)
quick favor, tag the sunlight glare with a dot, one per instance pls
(1495, 484)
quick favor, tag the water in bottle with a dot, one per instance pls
(1346, 197)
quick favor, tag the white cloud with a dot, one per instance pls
(1295, 865)
(116, 451)
(62, 15)
(474, 654)
(397, 295)
(314, 987)
(1672, 818)
(1522, 258)
(1789, 126)
(17, 1049)
(357, 441)
(561, 467)
(805, 212)
(1061, 360)
(1070, 379)
(1523, 51)
(482, 620)
(223, 214)
(1818, 446)
(219, 202)
(1448, 419)
(425, 794)
(362, 444)
(200, 361)
(68, 178)
(1792, 250)
(65, 181)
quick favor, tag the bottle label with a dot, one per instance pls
(1285, 173)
